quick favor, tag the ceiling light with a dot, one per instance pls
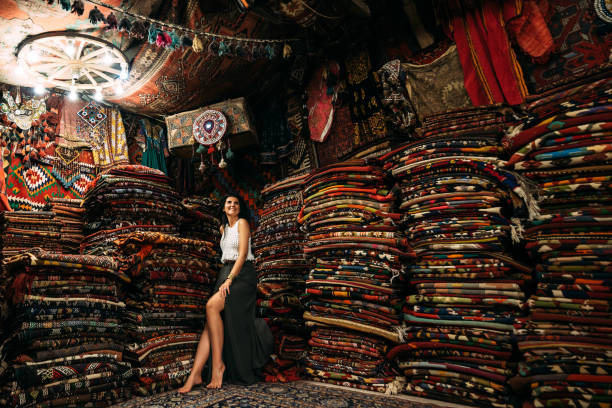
(87, 63)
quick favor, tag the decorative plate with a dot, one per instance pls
(209, 127)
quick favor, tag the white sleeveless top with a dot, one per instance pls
(229, 244)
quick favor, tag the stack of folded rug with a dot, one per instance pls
(130, 196)
(348, 216)
(22, 230)
(64, 338)
(172, 279)
(467, 290)
(69, 212)
(565, 147)
(281, 266)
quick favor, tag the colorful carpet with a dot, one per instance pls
(290, 395)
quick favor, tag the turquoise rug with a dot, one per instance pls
(275, 395)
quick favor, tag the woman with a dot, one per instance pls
(240, 343)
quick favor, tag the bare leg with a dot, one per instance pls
(215, 326)
(202, 353)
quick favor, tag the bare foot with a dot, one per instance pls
(217, 377)
(190, 383)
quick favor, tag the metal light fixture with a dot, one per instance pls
(74, 62)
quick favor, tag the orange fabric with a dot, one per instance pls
(531, 31)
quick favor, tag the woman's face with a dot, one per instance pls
(231, 207)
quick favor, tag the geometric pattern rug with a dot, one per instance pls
(299, 394)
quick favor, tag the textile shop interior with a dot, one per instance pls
(429, 184)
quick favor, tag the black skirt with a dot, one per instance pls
(247, 341)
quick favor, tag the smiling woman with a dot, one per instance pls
(240, 344)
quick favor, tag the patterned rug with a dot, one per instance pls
(291, 395)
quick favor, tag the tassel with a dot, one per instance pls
(167, 40)
(96, 16)
(175, 40)
(222, 163)
(269, 51)
(125, 25)
(139, 29)
(211, 149)
(197, 44)
(223, 49)
(287, 51)
(153, 33)
(78, 7)
(65, 4)
(111, 21)
(201, 149)
(229, 155)
(186, 41)
(396, 386)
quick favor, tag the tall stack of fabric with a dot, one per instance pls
(199, 221)
(69, 212)
(281, 266)
(129, 198)
(565, 147)
(352, 300)
(466, 288)
(172, 279)
(64, 335)
(22, 230)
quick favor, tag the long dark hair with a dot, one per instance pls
(243, 213)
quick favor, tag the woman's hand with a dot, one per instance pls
(224, 289)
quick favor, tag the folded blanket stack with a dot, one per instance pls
(69, 212)
(466, 288)
(281, 266)
(357, 251)
(134, 197)
(564, 147)
(23, 230)
(64, 337)
(172, 279)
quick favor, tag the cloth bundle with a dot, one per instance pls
(566, 341)
(22, 230)
(348, 217)
(281, 266)
(466, 289)
(64, 336)
(69, 213)
(131, 195)
(172, 279)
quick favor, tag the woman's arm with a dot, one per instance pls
(244, 232)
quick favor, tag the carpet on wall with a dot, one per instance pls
(291, 395)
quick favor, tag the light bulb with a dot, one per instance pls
(33, 56)
(70, 50)
(73, 94)
(98, 95)
(108, 58)
(119, 88)
(39, 89)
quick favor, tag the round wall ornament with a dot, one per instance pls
(209, 127)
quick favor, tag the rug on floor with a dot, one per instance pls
(290, 395)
